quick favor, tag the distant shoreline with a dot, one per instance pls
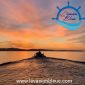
(17, 49)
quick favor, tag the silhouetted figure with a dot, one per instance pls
(39, 55)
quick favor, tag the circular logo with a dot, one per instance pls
(69, 17)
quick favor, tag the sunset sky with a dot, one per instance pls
(28, 24)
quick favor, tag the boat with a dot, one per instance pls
(39, 55)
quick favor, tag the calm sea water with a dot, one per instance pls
(7, 56)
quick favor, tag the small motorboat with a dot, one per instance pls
(39, 55)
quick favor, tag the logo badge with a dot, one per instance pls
(69, 17)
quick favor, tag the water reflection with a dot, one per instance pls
(79, 56)
(7, 56)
